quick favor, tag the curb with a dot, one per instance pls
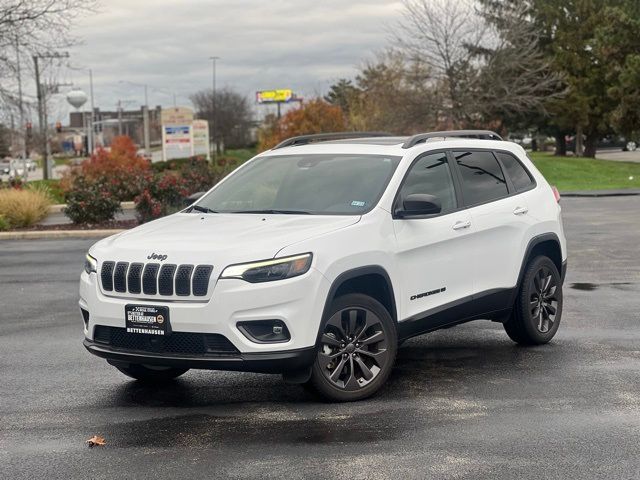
(58, 208)
(601, 193)
(57, 234)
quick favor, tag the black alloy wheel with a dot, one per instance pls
(543, 301)
(357, 349)
(536, 315)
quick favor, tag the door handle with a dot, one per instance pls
(520, 211)
(461, 225)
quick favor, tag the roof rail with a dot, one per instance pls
(324, 137)
(423, 137)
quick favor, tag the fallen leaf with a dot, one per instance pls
(96, 440)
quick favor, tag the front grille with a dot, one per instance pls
(107, 275)
(120, 277)
(154, 279)
(134, 278)
(165, 280)
(177, 343)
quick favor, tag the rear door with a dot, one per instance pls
(434, 254)
(499, 213)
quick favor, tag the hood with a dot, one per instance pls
(218, 239)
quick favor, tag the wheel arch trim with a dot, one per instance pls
(535, 241)
(353, 274)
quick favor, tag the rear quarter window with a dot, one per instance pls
(520, 177)
(482, 178)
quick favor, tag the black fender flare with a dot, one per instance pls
(537, 240)
(348, 275)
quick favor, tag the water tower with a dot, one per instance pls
(77, 98)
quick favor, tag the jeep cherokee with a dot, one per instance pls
(316, 258)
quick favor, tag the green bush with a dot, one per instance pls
(53, 187)
(4, 225)
(91, 201)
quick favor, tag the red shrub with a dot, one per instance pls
(120, 170)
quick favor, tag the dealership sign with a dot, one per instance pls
(176, 141)
(176, 116)
(182, 136)
(200, 137)
(275, 96)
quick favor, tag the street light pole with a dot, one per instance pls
(214, 109)
(145, 122)
(145, 114)
(42, 111)
(91, 139)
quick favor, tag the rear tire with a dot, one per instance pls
(357, 350)
(536, 315)
(151, 374)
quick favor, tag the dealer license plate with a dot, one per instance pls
(147, 319)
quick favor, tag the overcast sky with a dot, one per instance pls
(300, 44)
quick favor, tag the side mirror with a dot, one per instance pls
(419, 204)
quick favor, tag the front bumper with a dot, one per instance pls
(297, 302)
(268, 362)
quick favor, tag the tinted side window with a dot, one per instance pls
(431, 175)
(519, 176)
(482, 177)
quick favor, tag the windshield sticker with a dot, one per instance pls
(357, 203)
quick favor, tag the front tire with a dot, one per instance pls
(538, 309)
(151, 374)
(357, 349)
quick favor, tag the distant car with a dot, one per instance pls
(5, 166)
(31, 165)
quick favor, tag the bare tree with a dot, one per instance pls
(28, 27)
(233, 115)
(444, 34)
(392, 94)
(516, 78)
(40, 23)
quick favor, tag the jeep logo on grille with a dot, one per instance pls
(155, 256)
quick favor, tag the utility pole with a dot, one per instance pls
(23, 132)
(214, 109)
(42, 111)
(45, 172)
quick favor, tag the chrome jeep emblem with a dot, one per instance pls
(155, 256)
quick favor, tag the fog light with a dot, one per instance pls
(265, 331)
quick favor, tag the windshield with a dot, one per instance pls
(306, 184)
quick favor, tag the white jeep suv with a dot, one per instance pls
(316, 258)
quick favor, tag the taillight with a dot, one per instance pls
(556, 193)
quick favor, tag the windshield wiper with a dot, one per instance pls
(281, 212)
(198, 208)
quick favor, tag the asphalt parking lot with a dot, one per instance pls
(461, 403)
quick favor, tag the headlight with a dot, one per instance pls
(269, 270)
(90, 264)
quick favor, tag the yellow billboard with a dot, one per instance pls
(274, 96)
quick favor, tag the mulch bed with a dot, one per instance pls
(115, 224)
